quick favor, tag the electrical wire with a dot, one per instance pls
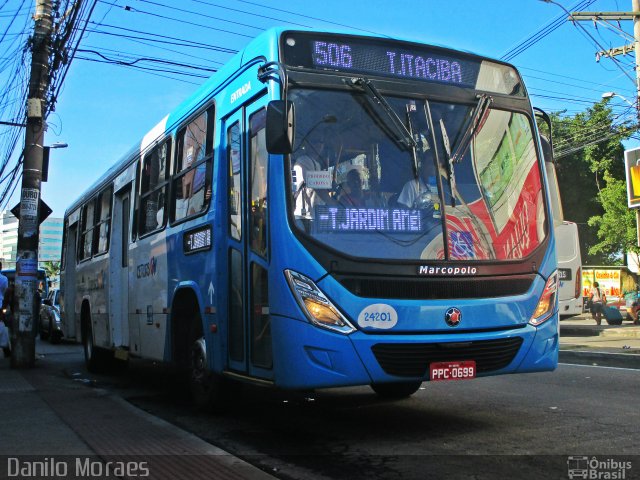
(541, 33)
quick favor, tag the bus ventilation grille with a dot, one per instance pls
(412, 360)
(438, 288)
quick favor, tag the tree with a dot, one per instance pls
(589, 152)
(51, 268)
(616, 227)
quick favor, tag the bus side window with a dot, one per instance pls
(86, 229)
(103, 221)
(153, 189)
(192, 178)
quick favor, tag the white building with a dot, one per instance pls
(49, 247)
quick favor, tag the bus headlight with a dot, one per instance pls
(315, 304)
(547, 303)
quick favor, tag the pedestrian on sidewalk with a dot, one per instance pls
(4, 331)
(598, 301)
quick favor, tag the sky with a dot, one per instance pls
(104, 109)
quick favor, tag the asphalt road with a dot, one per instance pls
(519, 426)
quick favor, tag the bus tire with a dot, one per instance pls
(96, 359)
(396, 390)
(206, 387)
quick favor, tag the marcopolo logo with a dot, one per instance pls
(147, 269)
(596, 468)
(451, 271)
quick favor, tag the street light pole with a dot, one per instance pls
(25, 307)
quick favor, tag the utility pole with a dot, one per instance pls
(617, 16)
(636, 37)
(26, 305)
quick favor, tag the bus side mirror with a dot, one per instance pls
(280, 127)
(547, 149)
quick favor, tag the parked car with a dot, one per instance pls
(50, 326)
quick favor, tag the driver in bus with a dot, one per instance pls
(421, 192)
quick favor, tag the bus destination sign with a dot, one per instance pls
(352, 54)
(353, 220)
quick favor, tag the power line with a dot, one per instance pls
(200, 14)
(541, 33)
(312, 18)
(173, 19)
(148, 59)
(246, 12)
(165, 38)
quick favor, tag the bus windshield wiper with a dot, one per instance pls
(478, 117)
(402, 133)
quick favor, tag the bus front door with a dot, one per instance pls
(119, 269)
(249, 327)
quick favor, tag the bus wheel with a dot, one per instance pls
(205, 386)
(396, 390)
(96, 359)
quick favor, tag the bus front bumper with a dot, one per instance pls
(306, 356)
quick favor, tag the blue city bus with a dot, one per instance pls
(327, 210)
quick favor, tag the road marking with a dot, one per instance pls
(599, 366)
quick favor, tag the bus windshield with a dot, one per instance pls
(390, 177)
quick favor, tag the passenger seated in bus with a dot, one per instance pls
(353, 195)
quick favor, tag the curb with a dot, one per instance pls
(603, 359)
(633, 332)
(627, 331)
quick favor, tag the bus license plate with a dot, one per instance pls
(463, 370)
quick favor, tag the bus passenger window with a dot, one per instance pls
(86, 226)
(192, 184)
(104, 221)
(153, 186)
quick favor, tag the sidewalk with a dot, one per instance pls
(47, 414)
(581, 340)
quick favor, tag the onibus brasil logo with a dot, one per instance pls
(595, 468)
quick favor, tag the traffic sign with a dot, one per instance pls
(43, 211)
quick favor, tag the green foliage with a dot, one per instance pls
(52, 268)
(584, 171)
(616, 227)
